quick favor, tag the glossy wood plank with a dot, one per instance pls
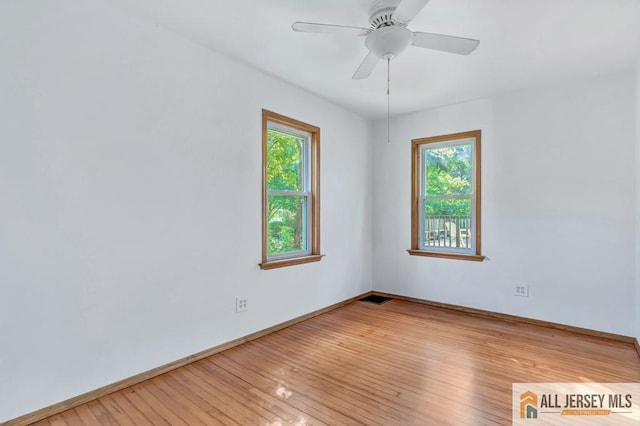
(165, 408)
(117, 401)
(210, 399)
(83, 413)
(72, 419)
(57, 420)
(224, 396)
(401, 362)
(104, 417)
(205, 409)
(148, 411)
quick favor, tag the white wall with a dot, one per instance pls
(637, 256)
(130, 201)
(557, 205)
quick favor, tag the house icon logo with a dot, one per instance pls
(528, 405)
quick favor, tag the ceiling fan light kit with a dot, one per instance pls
(388, 42)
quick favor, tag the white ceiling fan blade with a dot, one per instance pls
(368, 64)
(408, 9)
(445, 43)
(311, 27)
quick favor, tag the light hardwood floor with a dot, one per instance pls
(396, 363)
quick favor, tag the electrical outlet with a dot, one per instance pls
(241, 304)
(521, 290)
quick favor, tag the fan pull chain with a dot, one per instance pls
(388, 101)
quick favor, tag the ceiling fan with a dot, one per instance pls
(388, 35)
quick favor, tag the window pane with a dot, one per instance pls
(285, 161)
(447, 223)
(448, 170)
(286, 224)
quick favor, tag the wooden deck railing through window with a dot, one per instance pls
(447, 231)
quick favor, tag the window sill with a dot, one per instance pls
(458, 256)
(273, 264)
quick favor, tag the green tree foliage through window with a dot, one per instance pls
(284, 161)
(288, 197)
(448, 174)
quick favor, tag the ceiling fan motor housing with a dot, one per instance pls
(381, 14)
(378, 9)
(382, 18)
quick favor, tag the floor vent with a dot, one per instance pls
(378, 300)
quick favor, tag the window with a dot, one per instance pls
(290, 191)
(445, 194)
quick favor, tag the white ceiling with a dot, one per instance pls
(522, 43)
